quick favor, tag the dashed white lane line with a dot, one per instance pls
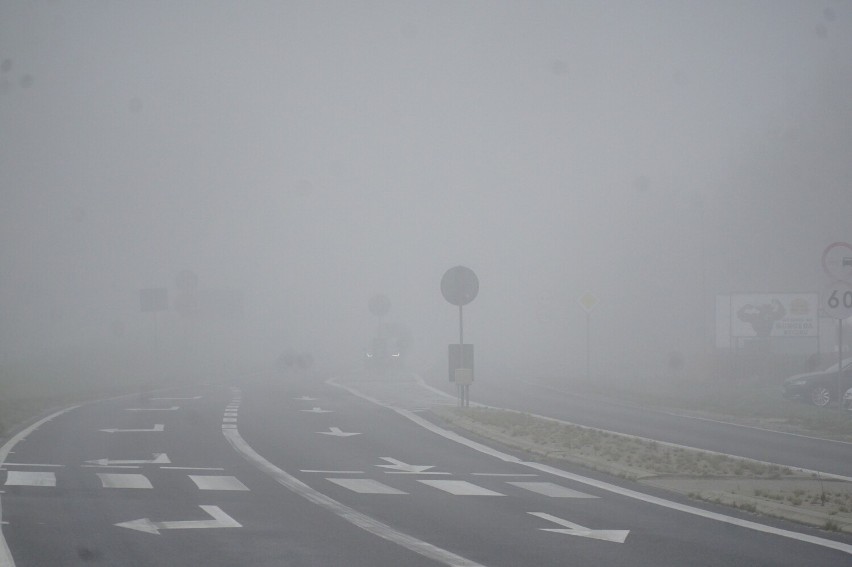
(113, 480)
(365, 486)
(207, 482)
(19, 478)
(552, 490)
(460, 488)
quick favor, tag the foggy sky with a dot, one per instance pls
(311, 154)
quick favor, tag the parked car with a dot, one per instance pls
(820, 387)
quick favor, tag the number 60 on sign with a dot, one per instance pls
(837, 300)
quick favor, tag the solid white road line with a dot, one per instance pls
(29, 465)
(460, 488)
(365, 486)
(550, 489)
(206, 482)
(19, 478)
(6, 559)
(351, 515)
(823, 542)
(114, 480)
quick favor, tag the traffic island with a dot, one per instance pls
(802, 496)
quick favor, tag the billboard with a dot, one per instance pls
(765, 315)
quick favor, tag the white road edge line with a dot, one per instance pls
(452, 436)
(351, 515)
(5, 554)
(687, 416)
(824, 475)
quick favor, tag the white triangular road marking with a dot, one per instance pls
(615, 536)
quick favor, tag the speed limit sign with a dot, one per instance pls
(837, 300)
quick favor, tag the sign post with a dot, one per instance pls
(459, 286)
(588, 302)
(152, 300)
(837, 297)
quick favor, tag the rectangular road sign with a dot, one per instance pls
(457, 361)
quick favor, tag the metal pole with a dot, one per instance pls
(840, 363)
(588, 346)
(461, 354)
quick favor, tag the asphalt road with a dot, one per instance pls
(811, 453)
(306, 473)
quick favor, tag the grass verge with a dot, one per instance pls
(744, 484)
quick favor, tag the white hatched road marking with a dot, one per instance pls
(229, 420)
(550, 489)
(194, 468)
(331, 472)
(127, 480)
(19, 478)
(365, 486)
(460, 488)
(502, 474)
(208, 482)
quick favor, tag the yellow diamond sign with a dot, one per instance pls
(588, 301)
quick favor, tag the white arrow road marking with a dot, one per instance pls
(399, 466)
(159, 459)
(169, 399)
(220, 520)
(336, 432)
(173, 408)
(306, 399)
(157, 427)
(615, 536)
(317, 410)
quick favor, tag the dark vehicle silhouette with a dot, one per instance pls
(820, 387)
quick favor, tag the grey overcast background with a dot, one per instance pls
(312, 154)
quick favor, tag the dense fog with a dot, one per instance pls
(300, 157)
